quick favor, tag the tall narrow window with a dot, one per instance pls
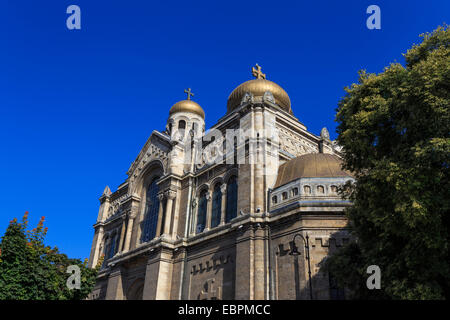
(235, 155)
(201, 213)
(231, 199)
(112, 247)
(216, 206)
(181, 129)
(224, 150)
(107, 250)
(151, 212)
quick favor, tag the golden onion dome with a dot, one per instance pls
(311, 165)
(187, 106)
(257, 87)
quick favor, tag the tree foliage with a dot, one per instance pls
(30, 270)
(394, 128)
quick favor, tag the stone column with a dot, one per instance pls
(158, 276)
(170, 196)
(161, 198)
(176, 217)
(208, 211)
(244, 282)
(193, 221)
(223, 189)
(259, 263)
(97, 245)
(131, 218)
(258, 172)
(122, 234)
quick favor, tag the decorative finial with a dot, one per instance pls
(189, 93)
(256, 72)
(324, 134)
(106, 192)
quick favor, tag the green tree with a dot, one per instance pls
(394, 128)
(30, 270)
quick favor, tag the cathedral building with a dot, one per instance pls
(248, 209)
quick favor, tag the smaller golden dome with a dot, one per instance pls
(187, 106)
(311, 165)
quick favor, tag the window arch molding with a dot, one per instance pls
(230, 174)
(204, 186)
(215, 181)
(151, 169)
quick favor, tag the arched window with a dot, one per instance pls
(216, 206)
(201, 213)
(182, 125)
(274, 199)
(295, 192)
(231, 199)
(151, 212)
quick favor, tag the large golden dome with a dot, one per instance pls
(187, 106)
(258, 87)
(311, 165)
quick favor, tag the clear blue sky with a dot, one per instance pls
(77, 106)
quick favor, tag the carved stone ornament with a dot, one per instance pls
(170, 194)
(161, 196)
(247, 98)
(268, 96)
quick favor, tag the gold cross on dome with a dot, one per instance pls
(256, 72)
(189, 93)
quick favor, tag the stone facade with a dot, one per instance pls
(237, 253)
